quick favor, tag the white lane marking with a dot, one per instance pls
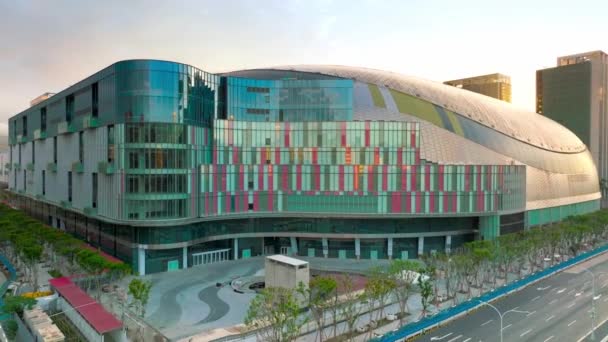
(560, 291)
(535, 298)
(549, 339)
(437, 338)
(515, 308)
(550, 318)
(553, 301)
(569, 324)
(525, 333)
(455, 338)
(543, 288)
(597, 297)
(578, 294)
(487, 322)
(531, 313)
(571, 305)
(467, 340)
(507, 326)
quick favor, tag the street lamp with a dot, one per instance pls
(593, 299)
(501, 315)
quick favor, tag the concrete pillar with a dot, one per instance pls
(325, 247)
(448, 244)
(185, 257)
(420, 245)
(141, 261)
(389, 248)
(236, 249)
(294, 245)
(358, 248)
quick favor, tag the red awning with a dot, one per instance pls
(100, 319)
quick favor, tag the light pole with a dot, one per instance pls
(593, 299)
(501, 315)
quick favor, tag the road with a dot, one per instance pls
(555, 309)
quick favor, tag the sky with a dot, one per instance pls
(49, 45)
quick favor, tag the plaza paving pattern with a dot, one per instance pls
(186, 302)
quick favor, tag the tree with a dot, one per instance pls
(377, 290)
(274, 314)
(425, 282)
(403, 273)
(321, 294)
(350, 308)
(10, 328)
(16, 304)
(140, 291)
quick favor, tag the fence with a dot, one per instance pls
(11, 277)
(421, 326)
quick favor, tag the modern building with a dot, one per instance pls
(574, 94)
(497, 86)
(166, 166)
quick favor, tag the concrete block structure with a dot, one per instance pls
(283, 271)
(166, 166)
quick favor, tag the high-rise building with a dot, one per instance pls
(166, 166)
(497, 86)
(575, 95)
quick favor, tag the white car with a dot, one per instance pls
(391, 317)
(362, 328)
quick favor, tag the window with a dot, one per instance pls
(94, 181)
(133, 184)
(33, 151)
(55, 150)
(133, 160)
(258, 90)
(258, 111)
(24, 119)
(95, 99)
(69, 186)
(43, 182)
(19, 153)
(81, 146)
(43, 119)
(69, 107)
(110, 143)
(24, 180)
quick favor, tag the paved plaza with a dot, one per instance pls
(187, 302)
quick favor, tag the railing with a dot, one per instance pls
(421, 326)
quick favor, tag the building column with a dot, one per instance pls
(294, 245)
(448, 244)
(358, 248)
(420, 245)
(185, 257)
(236, 248)
(325, 248)
(141, 261)
(389, 248)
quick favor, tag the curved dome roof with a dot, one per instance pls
(520, 124)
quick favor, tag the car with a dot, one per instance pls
(391, 317)
(372, 324)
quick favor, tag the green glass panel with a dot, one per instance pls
(342, 254)
(373, 255)
(246, 254)
(173, 265)
(311, 252)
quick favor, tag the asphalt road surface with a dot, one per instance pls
(555, 309)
